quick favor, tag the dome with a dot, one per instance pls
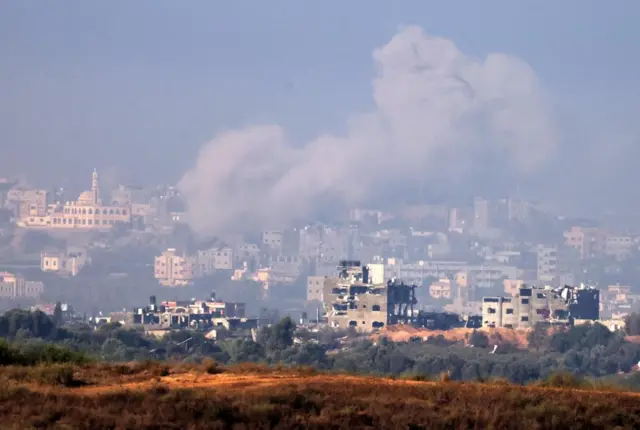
(86, 197)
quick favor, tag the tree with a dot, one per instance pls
(632, 324)
(479, 339)
(277, 337)
(58, 318)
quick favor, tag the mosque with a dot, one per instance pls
(86, 213)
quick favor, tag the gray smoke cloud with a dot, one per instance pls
(439, 115)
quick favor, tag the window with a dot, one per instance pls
(491, 311)
(377, 324)
(104, 211)
(110, 211)
(524, 319)
(375, 308)
(525, 301)
(540, 295)
(353, 324)
(124, 212)
(84, 211)
(509, 311)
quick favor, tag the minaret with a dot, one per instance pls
(95, 191)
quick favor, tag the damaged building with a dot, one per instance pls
(352, 299)
(532, 305)
(205, 315)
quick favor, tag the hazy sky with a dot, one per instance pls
(135, 88)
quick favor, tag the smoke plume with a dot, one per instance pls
(440, 116)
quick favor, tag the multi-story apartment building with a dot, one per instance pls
(589, 241)
(14, 286)
(352, 300)
(63, 263)
(618, 247)
(206, 262)
(28, 203)
(315, 288)
(173, 269)
(533, 305)
(556, 264)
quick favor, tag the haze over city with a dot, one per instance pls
(243, 105)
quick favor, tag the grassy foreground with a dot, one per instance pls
(153, 395)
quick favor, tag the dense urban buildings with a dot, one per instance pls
(461, 258)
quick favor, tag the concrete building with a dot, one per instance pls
(351, 300)
(618, 247)
(172, 269)
(206, 262)
(480, 214)
(556, 264)
(590, 242)
(203, 315)
(315, 288)
(63, 263)
(442, 289)
(547, 263)
(14, 286)
(273, 240)
(28, 202)
(534, 305)
(86, 213)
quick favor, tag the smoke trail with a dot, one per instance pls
(439, 115)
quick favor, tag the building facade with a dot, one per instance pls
(351, 300)
(533, 305)
(172, 269)
(86, 213)
(14, 286)
(65, 264)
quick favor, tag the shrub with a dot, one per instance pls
(563, 380)
(56, 375)
(212, 367)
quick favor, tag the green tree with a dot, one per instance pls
(57, 315)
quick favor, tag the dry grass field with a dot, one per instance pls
(154, 395)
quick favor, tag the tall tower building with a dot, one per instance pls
(95, 188)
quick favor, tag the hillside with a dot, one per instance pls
(152, 395)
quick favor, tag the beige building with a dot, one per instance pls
(352, 300)
(86, 213)
(15, 286)
(208, 261)
(315, 288)
(173, 269)
(589, 241)
(63, 263)
(532, 305)
(441, 289)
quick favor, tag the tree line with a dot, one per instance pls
(586, 350)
